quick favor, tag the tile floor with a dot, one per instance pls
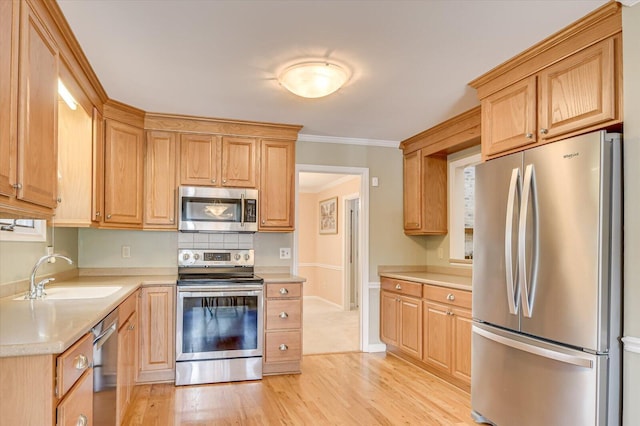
(328, 329)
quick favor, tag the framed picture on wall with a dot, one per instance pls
(329, 216)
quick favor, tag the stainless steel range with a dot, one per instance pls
(219, 317)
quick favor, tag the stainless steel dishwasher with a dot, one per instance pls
(105, 372)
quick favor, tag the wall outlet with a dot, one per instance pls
(49, 253)
(126, 252)
(440, 253)
(285, 253)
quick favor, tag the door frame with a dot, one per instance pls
(346, 290)
(363, 230)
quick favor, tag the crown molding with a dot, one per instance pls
(629, 3)
(348, 141)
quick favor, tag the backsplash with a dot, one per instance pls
(193, 240)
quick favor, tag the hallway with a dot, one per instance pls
(328, 328)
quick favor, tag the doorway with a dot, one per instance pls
(333, 321)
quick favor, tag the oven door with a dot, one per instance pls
(218, 323)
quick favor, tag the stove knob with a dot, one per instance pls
(196, 256)
(237, 256)
(247, 257)
(185, 256)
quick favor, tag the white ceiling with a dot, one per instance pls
(316, 182)
(411, 60)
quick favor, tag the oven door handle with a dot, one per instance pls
(211, 292)
(242, 206)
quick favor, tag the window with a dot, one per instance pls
(23, 230)
(461, 203)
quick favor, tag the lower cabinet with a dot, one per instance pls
(283, 328)
(432, 327)
(127, 351)
(157, 334)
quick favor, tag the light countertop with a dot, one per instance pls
(434, 278)
(49, 326)
(280, 278)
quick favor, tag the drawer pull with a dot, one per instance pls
(81, 362)
(451, 297)
(283, 347)
(283, 315)
(82, 420)
(132, 326)
(398, 287)
(449, 313)
(284, 291)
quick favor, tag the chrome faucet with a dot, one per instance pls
(36, 291)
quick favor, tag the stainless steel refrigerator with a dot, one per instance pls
(547, 285)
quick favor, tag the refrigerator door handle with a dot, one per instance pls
(513, 295)
(576, 360)
(528, 289)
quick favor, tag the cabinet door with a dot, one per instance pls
(277, 185)
(160, 180)
(97, 205)
(411, 326)
(200, 160)
(77, 406)
(157, 349)
(509, 118)
(239, 162)
(38, 112)
(437, 336)
(389, 318)
(578, 91)
(461, 362)
(434, 190)
(123, 173)
(9, 13)
(412, 192)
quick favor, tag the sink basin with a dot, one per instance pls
(78, 292)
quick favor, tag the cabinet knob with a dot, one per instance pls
(398, 287)
(132, 327)
(59, 200)
(171, 219)
(17, 185)
(449, 313)
(81, 362)
(224, 181)
(213, 181)
(283, 347)
(544, 131)
(263, 222)
(97, 214)
(284, 291)
(82, 420)
(283, 315)
(529, 136)
(451, 297)
(108, 216)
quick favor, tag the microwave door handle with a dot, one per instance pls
(241, 209)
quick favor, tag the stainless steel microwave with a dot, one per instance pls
(211, 209)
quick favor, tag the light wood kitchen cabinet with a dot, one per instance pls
(97, 177)
(28, 168)
(568, 84)
(283, 328)
(425, 194)
(127, 353)
(214, 160)
(447, 332)
(157, 334)
(160, 181)
(401, 315)
(123, 170)
(277, 171)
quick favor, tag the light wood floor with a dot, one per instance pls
(335, 389)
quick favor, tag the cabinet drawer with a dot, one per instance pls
(126, 308)
(401, 287)
(283, 346)
(72, 363)
(77, 407)
(283, 314)
(279, 290)
(450, 296)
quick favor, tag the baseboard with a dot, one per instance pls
(631, 344)
(376, 347)
(324, 300)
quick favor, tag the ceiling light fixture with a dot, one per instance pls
(313, 79)
(66, 95)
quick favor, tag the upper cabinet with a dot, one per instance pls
(160, 180)
(239, 162)
(568, 84)
(28, 85)
(425, 171)
(277, 185)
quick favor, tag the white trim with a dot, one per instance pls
(631, 344)
(36, 234)
(377, 347)
(320, 265)
(324, 300)
(364, 235)
(348, 141)
(456, 204)
(374, 284)
(629, 3)
(345, 244)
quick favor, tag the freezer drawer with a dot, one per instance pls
(522, 381)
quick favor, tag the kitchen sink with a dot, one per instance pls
(77, 292)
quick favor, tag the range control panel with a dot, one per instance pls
(204, 257)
